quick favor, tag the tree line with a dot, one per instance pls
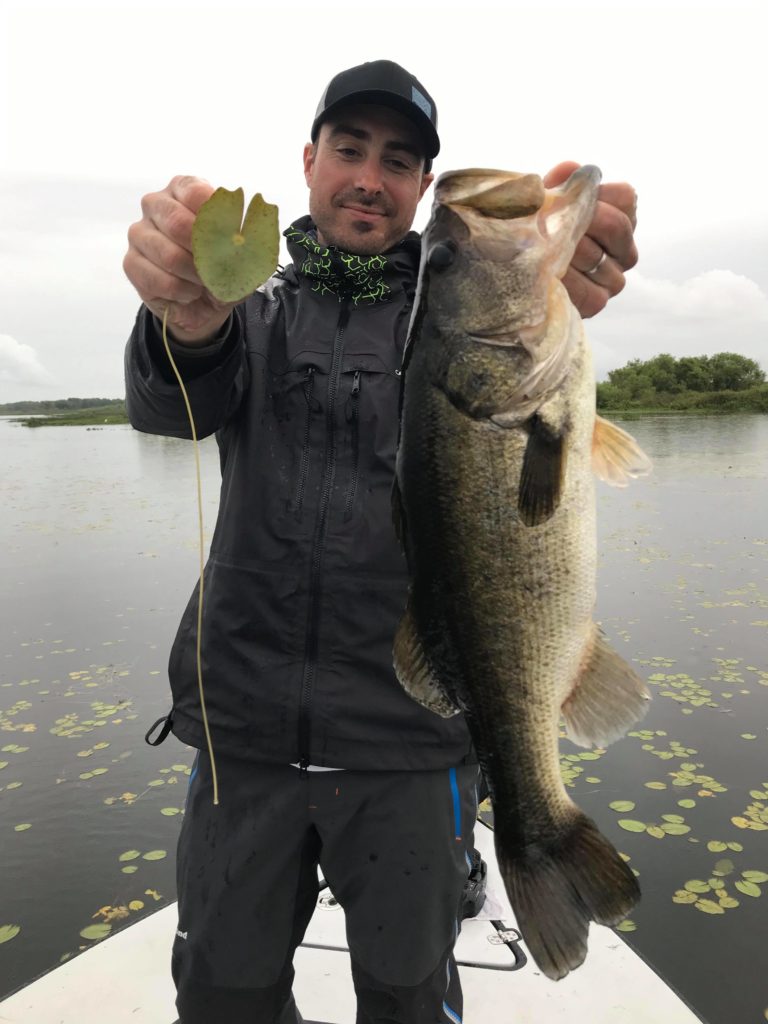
(726, 381)
(58, 405)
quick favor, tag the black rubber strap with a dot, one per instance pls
(167, 723)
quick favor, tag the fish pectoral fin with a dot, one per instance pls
(607, 699)
(616, 455)
(413, 671)
(542, 474)
(398, 514)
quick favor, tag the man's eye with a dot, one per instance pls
(346, 151)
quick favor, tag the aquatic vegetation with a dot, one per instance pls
(571, 766)
(755, 815)
(8, 932)
(719, 899)
(670, 825)
(232, 255)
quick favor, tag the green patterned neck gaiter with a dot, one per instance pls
(331, 271)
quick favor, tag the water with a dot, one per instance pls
(99, 558)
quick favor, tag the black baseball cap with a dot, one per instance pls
(386, 83)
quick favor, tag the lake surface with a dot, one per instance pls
(99, 533)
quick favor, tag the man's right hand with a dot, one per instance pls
(160, 267)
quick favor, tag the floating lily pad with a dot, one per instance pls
(675, 828)
(724, 867)
(136, 905)
(709, 907)
(748, 888)
(234, 259)
(626, 926)
(697, 885)
(8, 932)
(96, 931)
(169, 812)
(655, 785)
(129, 855)
(622, 805)
(22, 828)
(715, 846)
(755, 876)
(686, 803)
(683, 896)
(631, 826)
(155, 855)
(129, 869)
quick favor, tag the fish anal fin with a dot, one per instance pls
(413, 670)
(607, 699)
(542, 473)
(616, 455)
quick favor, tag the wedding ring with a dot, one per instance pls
(599, 264)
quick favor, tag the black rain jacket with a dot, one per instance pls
(305, 583)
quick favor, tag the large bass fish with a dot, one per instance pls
(494, 501)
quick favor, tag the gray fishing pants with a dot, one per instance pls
(394, 847)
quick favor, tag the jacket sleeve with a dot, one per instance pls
(215, 376)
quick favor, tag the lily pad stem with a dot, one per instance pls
(202, 554)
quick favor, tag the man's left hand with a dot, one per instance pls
(608, 247)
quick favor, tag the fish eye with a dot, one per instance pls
(441, 255)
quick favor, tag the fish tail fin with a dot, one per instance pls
(616, 455)
(558, 888)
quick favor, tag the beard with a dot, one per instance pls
(359, 237)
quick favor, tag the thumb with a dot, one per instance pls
(560, 173)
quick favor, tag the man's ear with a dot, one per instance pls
(309, 162)
(426, 181)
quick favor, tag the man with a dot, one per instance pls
(321, 758)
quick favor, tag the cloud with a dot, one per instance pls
(19, 364)
(715, 311)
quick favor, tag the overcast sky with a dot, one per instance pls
(102, 103)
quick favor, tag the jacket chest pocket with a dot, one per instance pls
(367, 428)
(293, 410)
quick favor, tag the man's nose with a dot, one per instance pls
(369, 176)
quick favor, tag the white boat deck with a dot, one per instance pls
(126, 979)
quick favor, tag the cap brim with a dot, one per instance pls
(422, 123)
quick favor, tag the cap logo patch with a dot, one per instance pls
(421, 101)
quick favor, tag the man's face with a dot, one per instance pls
(365, 178)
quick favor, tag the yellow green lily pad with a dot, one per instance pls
(631, 826)
(96, 931)
(748, 888)
(8, 932)
(232, 258)
(622, 805)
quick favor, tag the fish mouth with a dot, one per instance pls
(502, 195)
(506, 214)
(507, 195)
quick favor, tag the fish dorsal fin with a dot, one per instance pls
(607, 698)
(413, 670)
(616, 455)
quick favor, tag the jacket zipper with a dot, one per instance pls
(298, 499)
(352, 488)
(318, 547)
